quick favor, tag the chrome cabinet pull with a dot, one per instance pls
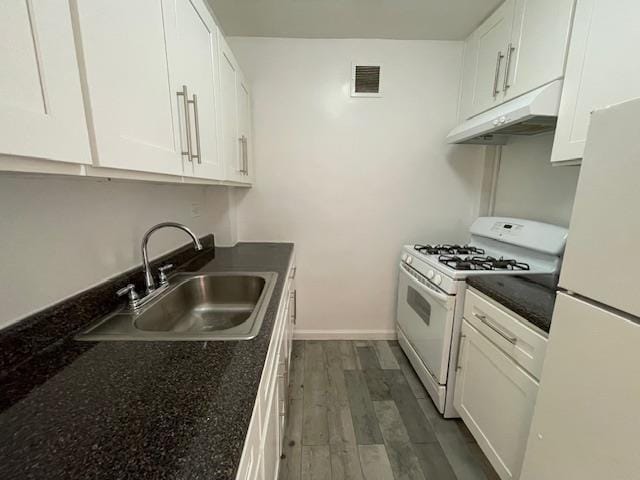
(185, 101)
(196, 118)
(295, 306)
(241, 154)
(245, 155)
(495, 90)
(506, 85)
(458, 366)
(500, 332)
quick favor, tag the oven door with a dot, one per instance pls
(425, 315)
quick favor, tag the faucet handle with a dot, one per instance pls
(130, 291)
(163, 276)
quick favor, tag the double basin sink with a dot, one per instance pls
(194, 307)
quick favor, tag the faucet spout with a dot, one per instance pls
(148, 277)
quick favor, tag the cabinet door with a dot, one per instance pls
(133, 102)
(538, 48)
(495, 398)
(231, 148)
(493, 39)
(244, 128)
(599, 70)
(271, 438)
(41, 109)
(469, 71)
(197, 51)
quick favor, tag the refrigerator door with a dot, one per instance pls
(601, 260)
(585, 423)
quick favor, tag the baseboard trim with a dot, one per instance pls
(344, 334)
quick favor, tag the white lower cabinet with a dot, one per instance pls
(271, 438)
(263, 445)
(495, 398)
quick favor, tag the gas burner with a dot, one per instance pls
(481, 263)
(466, 263)
(448, 249)
(503, 263)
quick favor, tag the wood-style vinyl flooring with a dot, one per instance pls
(357, 411)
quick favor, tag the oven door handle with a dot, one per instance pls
(443, 297)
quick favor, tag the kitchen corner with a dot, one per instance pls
(136, 409)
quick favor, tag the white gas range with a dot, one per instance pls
(431, 289)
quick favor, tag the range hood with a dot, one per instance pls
(530, 114)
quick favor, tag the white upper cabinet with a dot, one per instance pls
(493, 39)
(197, 53)
(469, 65)
(244, 129)
(520, 47)
(229, 127)
(41, 108)
(236, 119)
(537, 51)
(600, 71)
(133, 103)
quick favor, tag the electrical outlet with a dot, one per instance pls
(195, 210)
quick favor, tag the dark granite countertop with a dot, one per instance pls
(518, 293)
(161, 410)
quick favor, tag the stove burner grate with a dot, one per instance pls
(481, 263)
(446, 249)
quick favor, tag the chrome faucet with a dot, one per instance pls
(148, 277)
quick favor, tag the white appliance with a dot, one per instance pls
(586, 421)
(530, 114)
(431, 289)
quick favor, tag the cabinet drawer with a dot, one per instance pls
(507, 331)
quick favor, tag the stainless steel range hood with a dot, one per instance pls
(530, 114)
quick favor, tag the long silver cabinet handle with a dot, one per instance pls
(185, 101)
(245, 157)
(495, 90)
(196, 118)
(241, 155)
(462, 337)
(295, 306)
(510, 50)
(504, 335)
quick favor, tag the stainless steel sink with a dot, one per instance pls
(195, 306)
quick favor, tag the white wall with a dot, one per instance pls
(60, 236)
(530, 187)
(351, 180)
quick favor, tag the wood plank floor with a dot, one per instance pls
(357, 411)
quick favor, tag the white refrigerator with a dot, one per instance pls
(586, 423)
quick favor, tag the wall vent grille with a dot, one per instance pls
(365, 81)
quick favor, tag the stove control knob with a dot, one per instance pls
(503, 119)
(409, 259)
(495, 122)
(404, 257)
(437, 280)
(430, 274)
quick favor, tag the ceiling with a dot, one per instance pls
(396, 19)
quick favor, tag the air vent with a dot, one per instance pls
(365, 81)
